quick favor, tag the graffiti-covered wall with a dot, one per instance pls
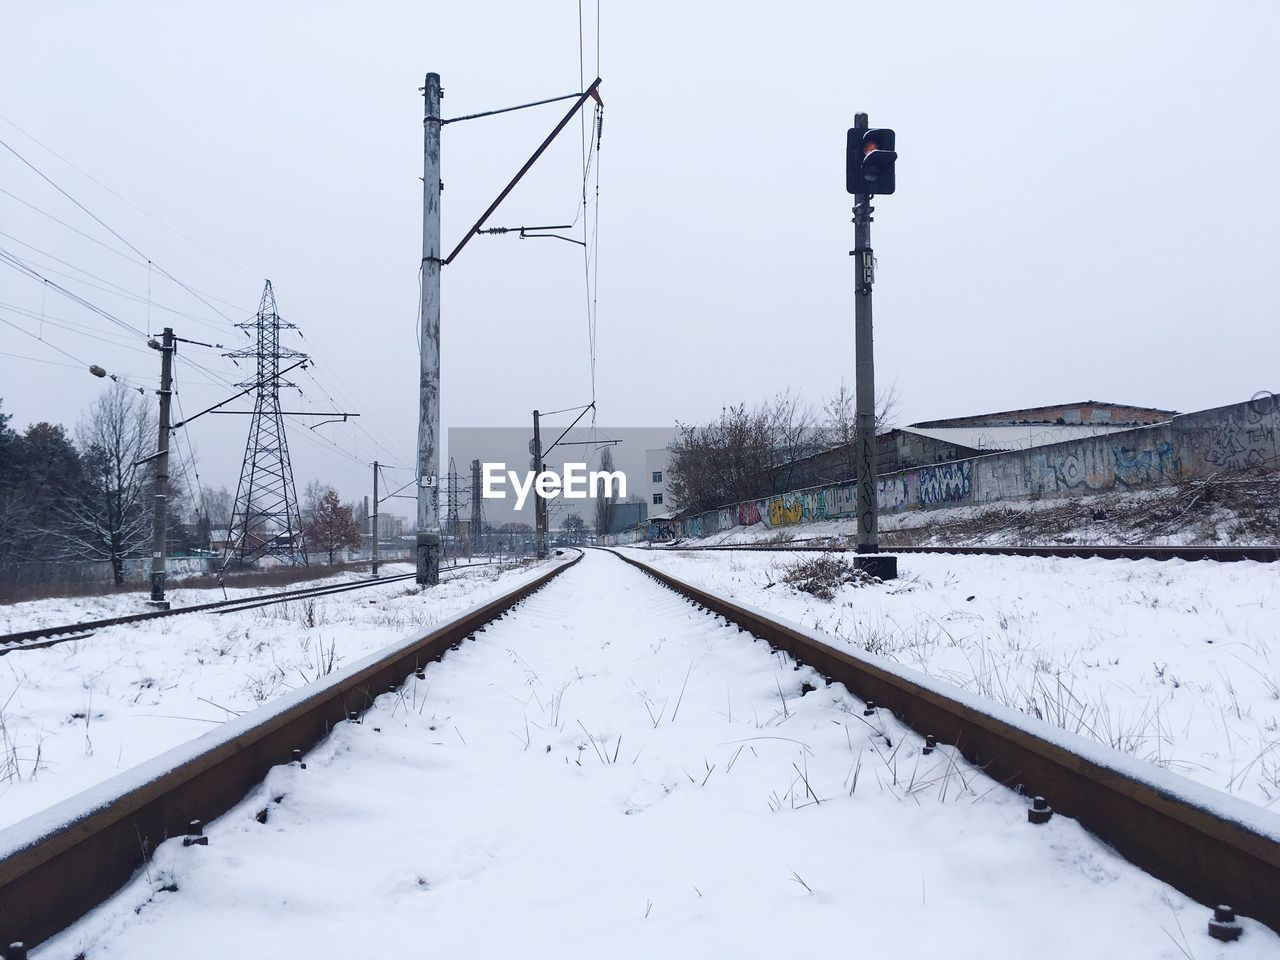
(1188, 446)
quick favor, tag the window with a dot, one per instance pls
(657, 499)
(657, 476)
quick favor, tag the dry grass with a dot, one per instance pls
(1229, 508)
(822, 576)
(277, 576)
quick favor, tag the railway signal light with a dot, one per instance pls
(869, 161)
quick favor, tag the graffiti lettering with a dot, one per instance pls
(1135, 466)
(781, 513)
(946, 483)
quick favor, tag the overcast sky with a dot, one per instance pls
(1086, 209)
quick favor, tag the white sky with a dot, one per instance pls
(1086, 204)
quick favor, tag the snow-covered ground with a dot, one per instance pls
(56, 611)
(77, 713)
(612, 774)
(1230, 511)
(1170, 662)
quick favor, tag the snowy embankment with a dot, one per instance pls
(57, 611)
(74, 714)
(1227, 511)
(1173, 663)
(580, 783)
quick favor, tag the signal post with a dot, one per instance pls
(869, 170)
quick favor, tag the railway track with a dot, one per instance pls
(62, 633)
(57, 866)
(1220, 554)
(1212, 847)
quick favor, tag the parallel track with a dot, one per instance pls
(78, 631)
(1220, 554)
(53, 875)
(1213, 847)
(1216, 850)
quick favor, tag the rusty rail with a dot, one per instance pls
(56, 866)
(77, 631)
(8, 640)
(1205, 552)
(1213, 847)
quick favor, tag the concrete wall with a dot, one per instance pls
(895, 450)
(1192, 445)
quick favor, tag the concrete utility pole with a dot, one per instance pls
(373, 526)
(428, 540)
(475, 529)
(864, 426)
(539, 504)
(160, 502)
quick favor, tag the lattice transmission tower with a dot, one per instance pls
(451, 514)
(266, 520)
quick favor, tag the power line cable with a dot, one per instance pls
(52, 363)
(150, 263)
(130, 203)
(23, 267)
(47, 179)
(117, 377)
(109, 287)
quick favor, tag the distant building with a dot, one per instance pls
(626, 514)
(1039, 426)
(958, 438)
(1086, 412)
(653, 486)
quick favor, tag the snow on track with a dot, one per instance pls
(75, 714)
(1173, 663)
(608, 772)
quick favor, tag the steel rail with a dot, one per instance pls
(1109, 552)
(56, 866)
(17, 641)
(1213, 847)
(228, 606)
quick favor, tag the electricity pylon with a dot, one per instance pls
(266, 520)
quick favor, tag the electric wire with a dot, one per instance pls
(117, 377)
(200, 505)
(52, 363)
(23, 267)
(80, 329)
(76, 230)
(88, 176)
(105, 226)
(383, 443)
(111, 288)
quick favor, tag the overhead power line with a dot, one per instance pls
(375, 436)
(102, 223)
(22, 267)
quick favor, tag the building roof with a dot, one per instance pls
(992, 439)
(1150, 414)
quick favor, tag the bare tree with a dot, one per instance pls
(331, 525)
(724, 461)
(218, 505)
(838, 424)
(575, 528)
(215, 507)
(107, 518)
(793, 433)
(312, 494)
(606, 507)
